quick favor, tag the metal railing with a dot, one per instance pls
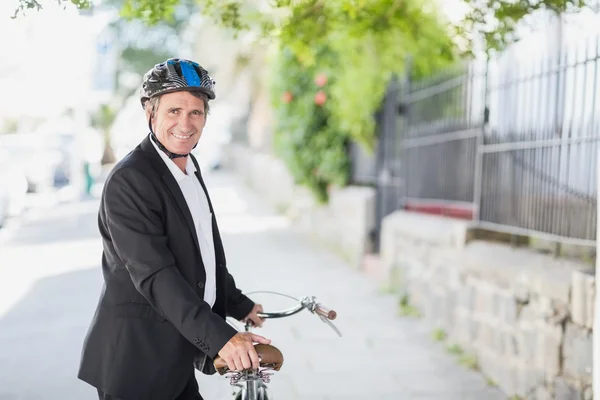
(514, 141)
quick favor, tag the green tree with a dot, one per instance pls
(334, 64)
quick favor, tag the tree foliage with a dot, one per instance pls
(311, 143)
(354, 48)
(496, 20)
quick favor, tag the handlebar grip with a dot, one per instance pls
(329, 314)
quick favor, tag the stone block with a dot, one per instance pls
(511, 345)
(528, 378)
(450, 305)
(505, 308)
(434, 230)
(497, 369)
(487, 335)
(464, 296)
(465, 327)
(527, 344)
(582, 299)
(577, 354)
(564, 390)
(388, 250)
(483, 300)
(529, 315)
(542, 393)
(549, 350)
(500, 341)
(554, 283)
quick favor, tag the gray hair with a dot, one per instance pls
(152, 104)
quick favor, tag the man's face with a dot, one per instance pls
(178, 121)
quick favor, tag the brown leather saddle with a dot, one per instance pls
(269, 356)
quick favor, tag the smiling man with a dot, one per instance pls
(167, 290)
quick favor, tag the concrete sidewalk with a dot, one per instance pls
(380, 356)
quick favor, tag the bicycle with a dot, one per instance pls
(252, 384)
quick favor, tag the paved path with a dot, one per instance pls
(50, 280)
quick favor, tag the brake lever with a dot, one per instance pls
(328, 322)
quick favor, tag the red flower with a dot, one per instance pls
(320, 98)
(321, 80)
(287, 97)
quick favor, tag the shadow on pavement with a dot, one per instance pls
(41, 338)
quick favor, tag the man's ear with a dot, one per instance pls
(148, 117)
(148, 112)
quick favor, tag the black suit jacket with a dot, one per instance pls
(151, 324)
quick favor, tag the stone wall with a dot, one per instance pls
(343, 225)
(526, 317)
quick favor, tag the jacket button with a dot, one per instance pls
(201, 285)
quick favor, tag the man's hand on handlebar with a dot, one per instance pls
(239, 351)
(253, 316)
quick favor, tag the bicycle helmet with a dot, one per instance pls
(175, 75)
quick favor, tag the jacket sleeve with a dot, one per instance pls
(238, 305)
(133, 217)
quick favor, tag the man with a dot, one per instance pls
(167, 289)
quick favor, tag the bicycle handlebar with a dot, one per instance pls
(329, 314)
(308, 303)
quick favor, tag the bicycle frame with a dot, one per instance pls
(254, 380)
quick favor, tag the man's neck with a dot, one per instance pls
(181, 163)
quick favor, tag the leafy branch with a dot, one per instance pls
(25, 5)
(497, 20)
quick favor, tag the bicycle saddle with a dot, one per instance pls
(269, 356)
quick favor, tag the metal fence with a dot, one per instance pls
(508, 142)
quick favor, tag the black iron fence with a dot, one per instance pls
(510, 143)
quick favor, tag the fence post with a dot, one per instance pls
(405, 111)
(596, 324)
(477, 187)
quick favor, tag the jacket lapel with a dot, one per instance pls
(219, 253)
(173, 186)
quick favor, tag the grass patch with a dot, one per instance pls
(468, 361)
(464, 359)
(439, 335)
(406, 309)
(387, 288)
(454, 349)
(491, 382)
